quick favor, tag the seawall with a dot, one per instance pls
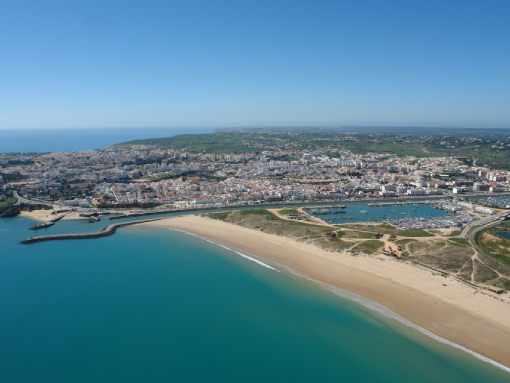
(107, 231)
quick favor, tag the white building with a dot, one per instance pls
(416, 192)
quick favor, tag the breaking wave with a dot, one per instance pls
(228, 248)
(367, 303)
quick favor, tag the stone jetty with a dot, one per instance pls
(49, 223)
(107, 231)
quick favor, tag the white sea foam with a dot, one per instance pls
(371, 305)
(228, 248)
(390, 314)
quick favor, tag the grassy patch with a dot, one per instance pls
(455, 233)
(450, 266)
(503, 283)
(415, 233)
(356, 234)
(466, 270)
(501, 258)
(495, 247)
(259, 212)
(288, 211)
(7, 202)
(483, 273)
(441, 255)
(386, 228)
(165, 176)
(458, 242)
(219, 216)
(377, 228)
(368, 247)
(403, 242)
(334, 244)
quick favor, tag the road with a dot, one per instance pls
(29, 201)
(473, 229)
(482, 222)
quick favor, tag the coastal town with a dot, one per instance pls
(255, 191)
(442, 200)
(149, 176)
(437, 199)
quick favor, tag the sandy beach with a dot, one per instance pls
(479, 322)
(45, 215)
(39, 215)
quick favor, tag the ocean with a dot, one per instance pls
(155, 305)
(59, 140)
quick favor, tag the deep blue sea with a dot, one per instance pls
(59, 140)
(153, 305)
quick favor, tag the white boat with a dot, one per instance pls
(364, 211)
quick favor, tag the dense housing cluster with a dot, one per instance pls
(266, 167)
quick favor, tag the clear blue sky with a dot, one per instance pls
(68, 64)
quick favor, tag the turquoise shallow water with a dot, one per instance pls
(155, 305)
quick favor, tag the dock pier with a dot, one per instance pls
(48, 223)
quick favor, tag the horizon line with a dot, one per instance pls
(278, 127)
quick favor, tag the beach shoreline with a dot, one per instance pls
(476, 322)
(45, 215)
(38, 215)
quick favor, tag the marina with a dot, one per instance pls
(331, 214)
(325, 211)
(502, 202)
(416, 214)
(399, 203)
(450, 221)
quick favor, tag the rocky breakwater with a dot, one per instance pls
(107, 231)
